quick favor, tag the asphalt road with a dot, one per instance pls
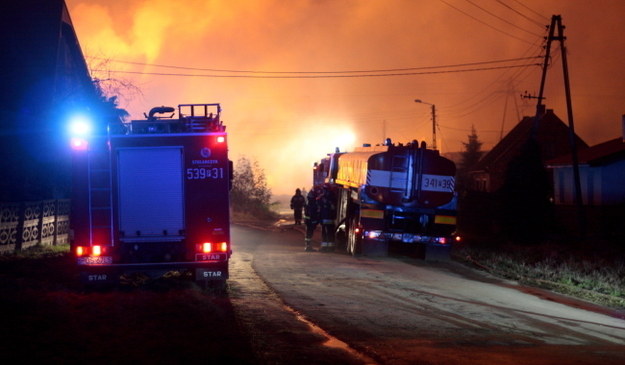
(334, 308)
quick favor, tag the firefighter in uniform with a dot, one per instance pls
(297, 204)
(311, 216)
(327, 214)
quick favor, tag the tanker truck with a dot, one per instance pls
(391, 194)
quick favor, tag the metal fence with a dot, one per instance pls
(28, 224)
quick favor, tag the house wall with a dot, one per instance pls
(479, 181)
(562, 186)
(601, 185)
(613, 188)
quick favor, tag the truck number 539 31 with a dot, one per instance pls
(201, 173)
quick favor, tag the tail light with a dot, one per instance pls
(209, 247)
(95, 250)
(373, 234)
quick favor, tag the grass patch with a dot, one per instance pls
(36, 253)
(590, 274)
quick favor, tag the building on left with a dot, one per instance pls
(44, 80)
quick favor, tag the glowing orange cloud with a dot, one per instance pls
(286, 124)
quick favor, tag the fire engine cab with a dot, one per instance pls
(150, 197)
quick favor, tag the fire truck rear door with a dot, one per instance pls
(151, 192)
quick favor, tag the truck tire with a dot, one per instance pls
(354, 241)
(341, 237)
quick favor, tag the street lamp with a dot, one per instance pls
(433, 121)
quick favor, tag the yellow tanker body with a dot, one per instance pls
(391, 193)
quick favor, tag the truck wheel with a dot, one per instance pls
(354, 243)
(341, 240)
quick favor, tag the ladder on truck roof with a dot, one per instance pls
(100, 193)
(400, 176)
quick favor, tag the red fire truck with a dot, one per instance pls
(151, 197)
(391, 194)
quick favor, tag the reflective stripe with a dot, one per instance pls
(372, 213)
(346, 183)
(444, 219)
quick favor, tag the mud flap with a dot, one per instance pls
(374, 248)
(98, 278)
(98, 275)
(213, 279)
(211, 273)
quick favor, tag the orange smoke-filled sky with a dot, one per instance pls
(287, 123)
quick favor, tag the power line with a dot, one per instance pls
(532, 10)
(319, 76)
(322, 72)
(467, 130)
(459, 109)
(483, 22)
(502, 19)
(523, 15)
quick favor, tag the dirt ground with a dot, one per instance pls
(48, 317)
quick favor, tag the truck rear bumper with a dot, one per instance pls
(113, 273)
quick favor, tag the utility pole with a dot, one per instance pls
(433, 121)
(434, 127)
(556, 24)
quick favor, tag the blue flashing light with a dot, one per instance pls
(80, 125)
(79, 129)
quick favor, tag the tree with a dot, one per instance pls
(470, 157)
(111, 87)
(112, 91)
(472, 152)
(250, 193)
